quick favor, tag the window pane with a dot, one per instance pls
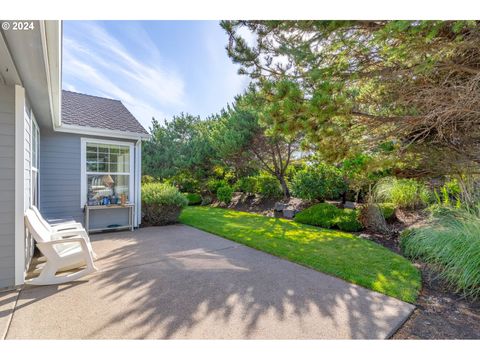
(92, 148)
(103, 149)
(102, 157)
(106, 186)
(34, 188)
(91, 156)
(35, 145)
(113, 158)
(102, 167)
(119, 167)
(92, 166)
(34, 150)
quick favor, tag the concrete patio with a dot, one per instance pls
(176, 282)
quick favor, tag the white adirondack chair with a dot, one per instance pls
(63, 250)
(58, 226)
(73, 228)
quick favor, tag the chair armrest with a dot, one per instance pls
(60, 223)
(76, 239)
(66, 226)
(69, 233)
(84, 245)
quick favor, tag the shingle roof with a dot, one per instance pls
(97, 112)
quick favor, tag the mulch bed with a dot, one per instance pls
(440, 312)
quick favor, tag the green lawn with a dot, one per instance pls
(341, 254)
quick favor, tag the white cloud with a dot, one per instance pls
(249, 37)
(143, 84)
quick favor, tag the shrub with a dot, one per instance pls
(387, 210)
(268, 186)
(328, 216)
(318, 182)
(147, 179)
(448, 194)
(451, 243)
(246, 185)
(214, 184)
(162, 203)
(347, 220)
(193, 199)
(403, 193)
(224, 194)
(185, 183)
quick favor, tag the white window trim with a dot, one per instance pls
(83, 168)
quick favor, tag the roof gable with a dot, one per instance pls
(97, 112)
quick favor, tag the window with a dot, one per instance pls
(107, 174)
(35, 162)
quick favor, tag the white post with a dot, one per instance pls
(19, 185)
(138, 183)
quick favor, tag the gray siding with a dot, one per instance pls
(60, 183)
(7, 186)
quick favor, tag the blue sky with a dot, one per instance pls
(156, 68)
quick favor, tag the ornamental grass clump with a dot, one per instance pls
(402, 193)
(451, 244)
(162, 203)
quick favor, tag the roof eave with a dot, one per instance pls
(86, 130)
(51, 35)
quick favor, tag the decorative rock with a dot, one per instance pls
(349, 205)
(280, 206)
(289, 213)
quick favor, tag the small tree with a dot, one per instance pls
(250, 131)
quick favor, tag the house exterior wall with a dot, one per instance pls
(60, 179)
(7, 186)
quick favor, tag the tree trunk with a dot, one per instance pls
(283, 183)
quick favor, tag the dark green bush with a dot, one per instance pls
(347, 220)
(329, 216)
(214, 184)
(322, 215)
(162, 203)
(268, 186)
(224, 194)
(193, 199)
(319, 182)
(185, 183)
(451, 243)
(246, 185)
